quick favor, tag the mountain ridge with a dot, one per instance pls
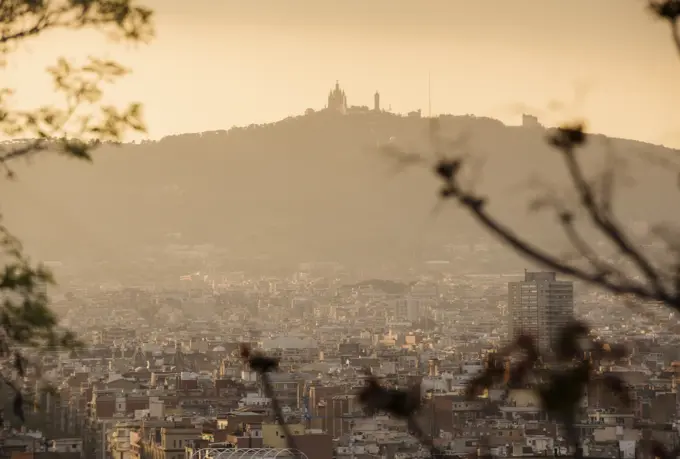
(305, 188)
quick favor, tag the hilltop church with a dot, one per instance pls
(337, 101)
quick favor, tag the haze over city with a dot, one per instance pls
(360, 229)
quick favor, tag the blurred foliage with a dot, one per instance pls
(560, 391)
(518, 366)
(27, 325)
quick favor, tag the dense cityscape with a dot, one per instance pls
(271, 290)
(163, 376)
(161, 373)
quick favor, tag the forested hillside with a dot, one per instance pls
(313, 187)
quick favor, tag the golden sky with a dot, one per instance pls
(219, 63)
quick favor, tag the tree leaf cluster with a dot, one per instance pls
(28, 327)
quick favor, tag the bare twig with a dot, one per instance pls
(263, 366)
(278, 412)
(669, 10)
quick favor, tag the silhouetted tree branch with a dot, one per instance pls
(668, 10)
(561, 391)
(263, 366)
(650, 281)
(655, 283)
(597, 206)
(73, 129)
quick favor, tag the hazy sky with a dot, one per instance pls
(219, 63)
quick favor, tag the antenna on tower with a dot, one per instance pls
(429, 95)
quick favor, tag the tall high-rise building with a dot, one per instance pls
(540, 306)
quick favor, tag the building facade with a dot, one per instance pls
(539, 306)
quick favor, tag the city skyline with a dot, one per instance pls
(339, 276)
(258, 63)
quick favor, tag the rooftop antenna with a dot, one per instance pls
(429, 95)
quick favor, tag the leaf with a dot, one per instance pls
(263, 364)
(494, 373)
(527, 344)
(618, 386)
(398, 403)
(69, 340)
(77, 149)
(257, 362)
(568, 345)
(18, 406)
(447, 169)
(373, 397)
(517, 376)
(568, 136)
(19, 364)
(666, 9)
(133, 117)
(562, 395)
